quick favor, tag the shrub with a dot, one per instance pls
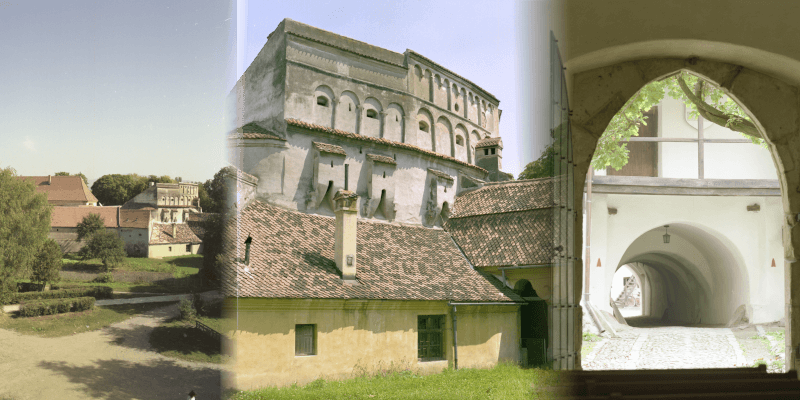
(100, 292)
(188, 312)
(199, 304)
(56, 306)
(104, 278)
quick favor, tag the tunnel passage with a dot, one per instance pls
(698, 277)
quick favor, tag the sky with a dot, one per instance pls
(117, 87)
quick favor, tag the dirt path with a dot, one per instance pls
(113, 363)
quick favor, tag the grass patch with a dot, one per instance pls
(79, 322)
(589, 341)
(180, 339)
(505, 381)
(173, 265)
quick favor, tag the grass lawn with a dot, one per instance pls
(167, 275)
(180, 339)
(505, 381)
(70, 323)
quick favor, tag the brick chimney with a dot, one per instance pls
(346, 210)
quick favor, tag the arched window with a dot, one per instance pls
(459, 140)
(322, 101)
(372, 114)
(423, 126)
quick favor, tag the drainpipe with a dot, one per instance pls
(587, 261)
(455, 339)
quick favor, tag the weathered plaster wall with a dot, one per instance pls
(136, 241)
(358, 335)
(172, 250)
(285, 172)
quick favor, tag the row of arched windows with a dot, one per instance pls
(176, 200)
(369, 118)
(430, 86)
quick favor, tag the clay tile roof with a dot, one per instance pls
(440, 174)
(505, 224)
(329, 148)
(382, 159)
(132, 218)
(291, 256)
(387, 142)
(489, 142)
(492, 198)
(69, 217)
(63, 188)
(162, 234)
(197, 223)
(345, 194)
(253, 131)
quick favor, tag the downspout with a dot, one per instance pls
(587, 261)
(455, 339)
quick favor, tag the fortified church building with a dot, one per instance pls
(374, 224)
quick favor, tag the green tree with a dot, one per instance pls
(701, 98)
(24, 226)
(106, 246)
(212, 248)
(47, 265)
(86, 181)
(89, 225)
(540, 168)
(212, 193)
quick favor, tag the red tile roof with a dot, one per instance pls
(489, 142)
(392, 143)
(291, 256)
(70, 216)
(382, 159)
(63, 188)
(505, 224)
(329, 148)
(134, 218)
(162, 234)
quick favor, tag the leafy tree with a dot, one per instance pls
(90, 224)
(212, 248)
(47, 265)
(116, 189)
(24, 225)
(212, 193)
(701, 98)
(106, 246)
(540, 168)
(86, 181)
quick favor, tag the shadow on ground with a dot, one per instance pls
(155, 379)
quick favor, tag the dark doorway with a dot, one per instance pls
(534, 325)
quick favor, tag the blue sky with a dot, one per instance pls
(139, 87)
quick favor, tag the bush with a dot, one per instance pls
(105, 277)
(56, 306)
(100, 292)
(28, 287)
(199, 304)
(188, 312)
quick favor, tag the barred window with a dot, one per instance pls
(305, 343)
(430, 331)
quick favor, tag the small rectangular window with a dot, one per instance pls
(430, 339)
(170, 248)
(189, 248)
(305, 340)
(486, 152)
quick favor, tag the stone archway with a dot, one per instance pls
(597, 94)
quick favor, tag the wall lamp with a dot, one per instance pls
(666, 234)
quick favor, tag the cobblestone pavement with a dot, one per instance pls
(668, 347)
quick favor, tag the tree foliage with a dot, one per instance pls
(116, 189)
(701, 98)
(47, 265)
(212, 248)
(86, 181)
(212, 193)
(24, 225)
(89, 225)
(542, 167)
(106, 246)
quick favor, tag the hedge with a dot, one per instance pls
(98, 292)
(55, 306)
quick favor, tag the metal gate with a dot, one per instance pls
(564, 304)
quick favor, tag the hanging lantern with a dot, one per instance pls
(666, 234)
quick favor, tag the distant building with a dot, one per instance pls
(64, 190)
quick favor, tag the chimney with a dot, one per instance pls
(49, 179)
(489, 156)
(174, 230)
(346, 210)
